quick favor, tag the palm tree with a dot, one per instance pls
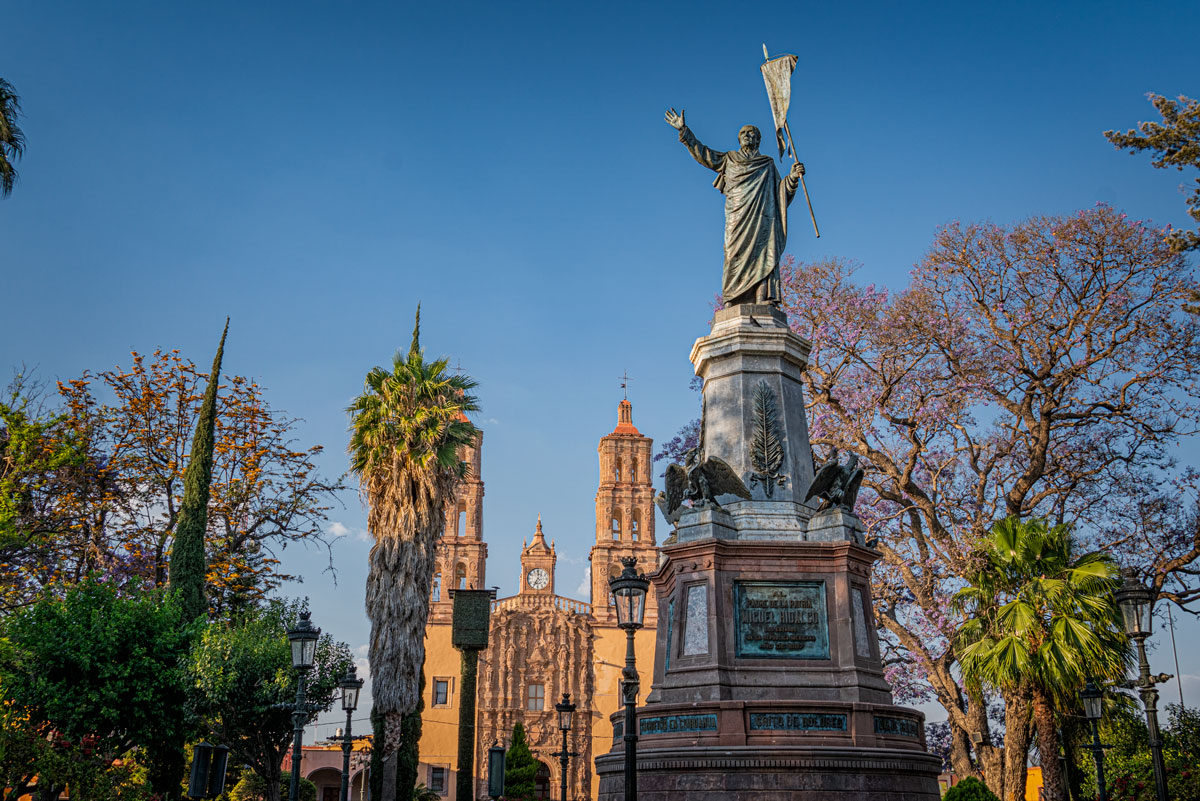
(12, 140)
(1041, 619)
(407, 429)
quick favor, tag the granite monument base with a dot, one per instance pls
(774, 773)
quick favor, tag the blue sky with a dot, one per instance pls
(314, 169)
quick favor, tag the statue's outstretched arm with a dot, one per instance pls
(709, 158)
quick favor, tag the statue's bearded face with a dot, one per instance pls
(749, 137)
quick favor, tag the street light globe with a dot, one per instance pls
(1092, 698)
(1136, 602)
(565, 710)
(629, 590)
(304, 643)
(350, 685)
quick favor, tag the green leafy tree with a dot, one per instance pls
(12, 140)
(1174, 142)
(245, 687)
(99, 671)
(1041, 621)
(40, 461)
(187, 554)
(1127, 764)
(407, 429)
(520, 768)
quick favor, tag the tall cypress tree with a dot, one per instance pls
(187, 554)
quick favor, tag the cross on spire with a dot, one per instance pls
(625, 379)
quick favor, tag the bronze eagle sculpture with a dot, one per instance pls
(700, 482)
(836, 484)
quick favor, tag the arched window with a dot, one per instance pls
(633, 469)
(462, 521)
(616, 525)
(541, 782)
(635, 526)
(437, 586)
(620, 465)
(460, 576)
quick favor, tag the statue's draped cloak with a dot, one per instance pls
(756, 201)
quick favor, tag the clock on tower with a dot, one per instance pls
(537, 564)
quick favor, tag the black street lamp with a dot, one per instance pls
(629, 590)
(1093, 708)
(565, 710)
(350, 685)
(303, 639)
(1136, 602)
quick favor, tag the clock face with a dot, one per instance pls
(537, 578)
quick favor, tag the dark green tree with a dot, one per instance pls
(12, 140)
(410, 750)
(104, 672)
(187, 554)
(244, 684)
(1174, 142)
(520, 768)
(970, 789)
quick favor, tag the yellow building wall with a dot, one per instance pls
(609, 660)
(439, 725)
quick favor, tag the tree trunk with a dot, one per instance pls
(1016, 745)
(272, 777)
(1047, 731)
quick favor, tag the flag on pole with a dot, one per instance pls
(777, 73)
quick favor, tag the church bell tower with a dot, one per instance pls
(537, 564)
(624, 512)
(461, 552)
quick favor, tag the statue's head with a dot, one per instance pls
(749, 138)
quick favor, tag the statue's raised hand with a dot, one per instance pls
(798, 169)
(675, 120)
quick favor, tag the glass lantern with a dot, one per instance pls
(304, 643)
(1136, 602)
(629, 590)
(565, 710)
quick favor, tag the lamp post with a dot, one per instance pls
(1093, 708)
(565, 710)
(350, 685)
(303, 639)
(629, 590)
(1137, 606)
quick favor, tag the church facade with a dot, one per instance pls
(542, 644)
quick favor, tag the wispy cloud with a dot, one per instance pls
(585, 586)
(338, 530)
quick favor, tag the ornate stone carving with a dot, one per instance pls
(766, 446)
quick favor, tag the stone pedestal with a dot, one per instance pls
(767, 676)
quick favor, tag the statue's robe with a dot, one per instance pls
(756, 201)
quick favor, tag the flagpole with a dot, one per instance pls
(795, 159)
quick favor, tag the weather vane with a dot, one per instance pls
(625, 379)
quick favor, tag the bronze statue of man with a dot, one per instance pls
(756, 201)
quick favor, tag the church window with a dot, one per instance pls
(441, 691)
(541, 782)
(535, 699)
(617, 471)
(635, 525)
(616, 525)
(437, 586)
(460, 576)
(462, 521)
(633, 470)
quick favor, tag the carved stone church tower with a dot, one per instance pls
(461, 551)
(624, 512)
